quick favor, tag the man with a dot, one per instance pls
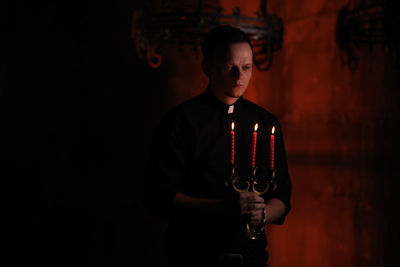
(190, 165)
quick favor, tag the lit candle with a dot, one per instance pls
(272, 151)
(232, 143)
(253, 150)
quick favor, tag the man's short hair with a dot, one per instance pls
(219, 39)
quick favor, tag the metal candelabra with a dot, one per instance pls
(254, 184)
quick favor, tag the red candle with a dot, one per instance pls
(272, 151)
(233, 143)
(253, 150)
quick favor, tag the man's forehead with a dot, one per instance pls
(227, 58)
(224, 54)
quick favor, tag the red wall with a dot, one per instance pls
(339, 127)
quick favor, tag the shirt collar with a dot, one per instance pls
(213, 101)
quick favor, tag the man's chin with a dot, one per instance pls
(235, 96)
(236, 93)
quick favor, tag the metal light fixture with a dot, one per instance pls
(370, 23)
(187, 25)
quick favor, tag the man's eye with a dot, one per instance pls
(246, 67)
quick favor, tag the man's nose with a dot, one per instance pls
(235, 73)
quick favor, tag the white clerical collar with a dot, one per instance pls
(230, 109)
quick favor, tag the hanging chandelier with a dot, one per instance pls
(187, 25)
(368, 24)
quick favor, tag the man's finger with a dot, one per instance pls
(253, 197)
(256, 213)
(256, 206)
(255, 222)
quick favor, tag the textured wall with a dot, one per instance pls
(339, 126)
(340, 129)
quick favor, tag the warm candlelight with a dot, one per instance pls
(253, 150)
(232, 143)
(272, 151)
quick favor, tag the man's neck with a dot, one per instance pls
(222, 97)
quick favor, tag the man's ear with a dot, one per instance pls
(206, 67)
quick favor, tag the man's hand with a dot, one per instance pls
(253, 206)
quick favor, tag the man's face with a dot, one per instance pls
(230, 74)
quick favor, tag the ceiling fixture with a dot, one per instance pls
(368, 24)
(187, 25)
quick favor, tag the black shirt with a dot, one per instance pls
(191, 154)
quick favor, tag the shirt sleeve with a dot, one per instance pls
(165, 167)
(282, 178)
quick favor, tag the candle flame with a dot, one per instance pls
(256, 127)
(273, 130)
(233, 126)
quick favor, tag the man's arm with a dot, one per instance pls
(191, 206)
(279, 203)
(246, 205)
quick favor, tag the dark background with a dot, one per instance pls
(74, 109)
